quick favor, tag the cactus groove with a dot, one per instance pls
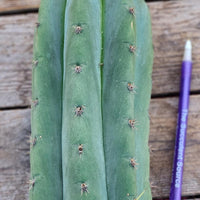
(91, 85)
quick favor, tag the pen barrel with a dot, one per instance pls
(177, 172)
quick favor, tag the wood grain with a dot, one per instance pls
(16, 41)
(14, 158)
(163, 114)
(192, 199)
(21, 5)
(18, 5)
(172, 22)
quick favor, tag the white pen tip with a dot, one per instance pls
(188, 51)
(188, 45)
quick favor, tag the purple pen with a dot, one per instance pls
(177, 172)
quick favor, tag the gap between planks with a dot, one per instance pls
(17, 6)
(21, 6)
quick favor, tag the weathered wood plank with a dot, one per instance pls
(14, 158)
(192, 199)
(163, 113)
(18, 5)
(172, 22)
(16, 41)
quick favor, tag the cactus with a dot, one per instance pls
(91, 91)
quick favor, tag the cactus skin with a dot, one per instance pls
(46, 119)
(125, 65)
(70, 90)
(83, 170)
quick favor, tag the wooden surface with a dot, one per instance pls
(14, 157)
(16, 39)
(18, 5)
(163, 113)
(172, 22)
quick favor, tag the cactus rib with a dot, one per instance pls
(84, 176)
(46, 163)
(127, 59)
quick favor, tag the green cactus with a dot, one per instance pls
(91, 91)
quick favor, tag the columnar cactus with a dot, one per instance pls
(91, 91)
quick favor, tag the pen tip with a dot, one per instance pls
(188, 51)
(188, 44)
